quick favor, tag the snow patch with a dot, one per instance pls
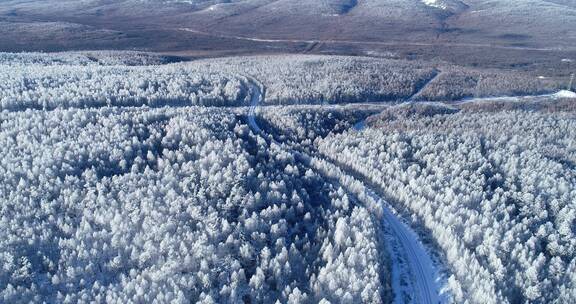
(435, 3)
(565, 94)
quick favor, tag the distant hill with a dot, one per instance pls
(535, 23)
(476, 32)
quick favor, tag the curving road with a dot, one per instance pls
(255, 98)
(410, 260)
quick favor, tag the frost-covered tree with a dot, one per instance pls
(495, 190)
(172, 205)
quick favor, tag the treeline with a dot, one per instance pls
(298, 79)
(496, 190)
(173, 205)
(71, 86)
(455, 83)
(303, 124)
(332, 79)
(130, 58)
(86, 80)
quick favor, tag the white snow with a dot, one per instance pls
(435, 3)
(405, 245)
(254, 100)
(565, 94)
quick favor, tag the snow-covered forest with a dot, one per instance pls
(133, 178)
(84, 58)
(495, 190)
(457, 83)
(111, 205)
(98, 79)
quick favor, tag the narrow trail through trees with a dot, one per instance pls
(410, 260)
(422, 87)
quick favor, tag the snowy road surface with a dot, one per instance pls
(255, 99)
(410, 260)
(405, 245)
(557, 95)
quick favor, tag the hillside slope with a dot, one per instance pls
(534, 23)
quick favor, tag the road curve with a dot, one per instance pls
(426, 285)
(255, 98)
